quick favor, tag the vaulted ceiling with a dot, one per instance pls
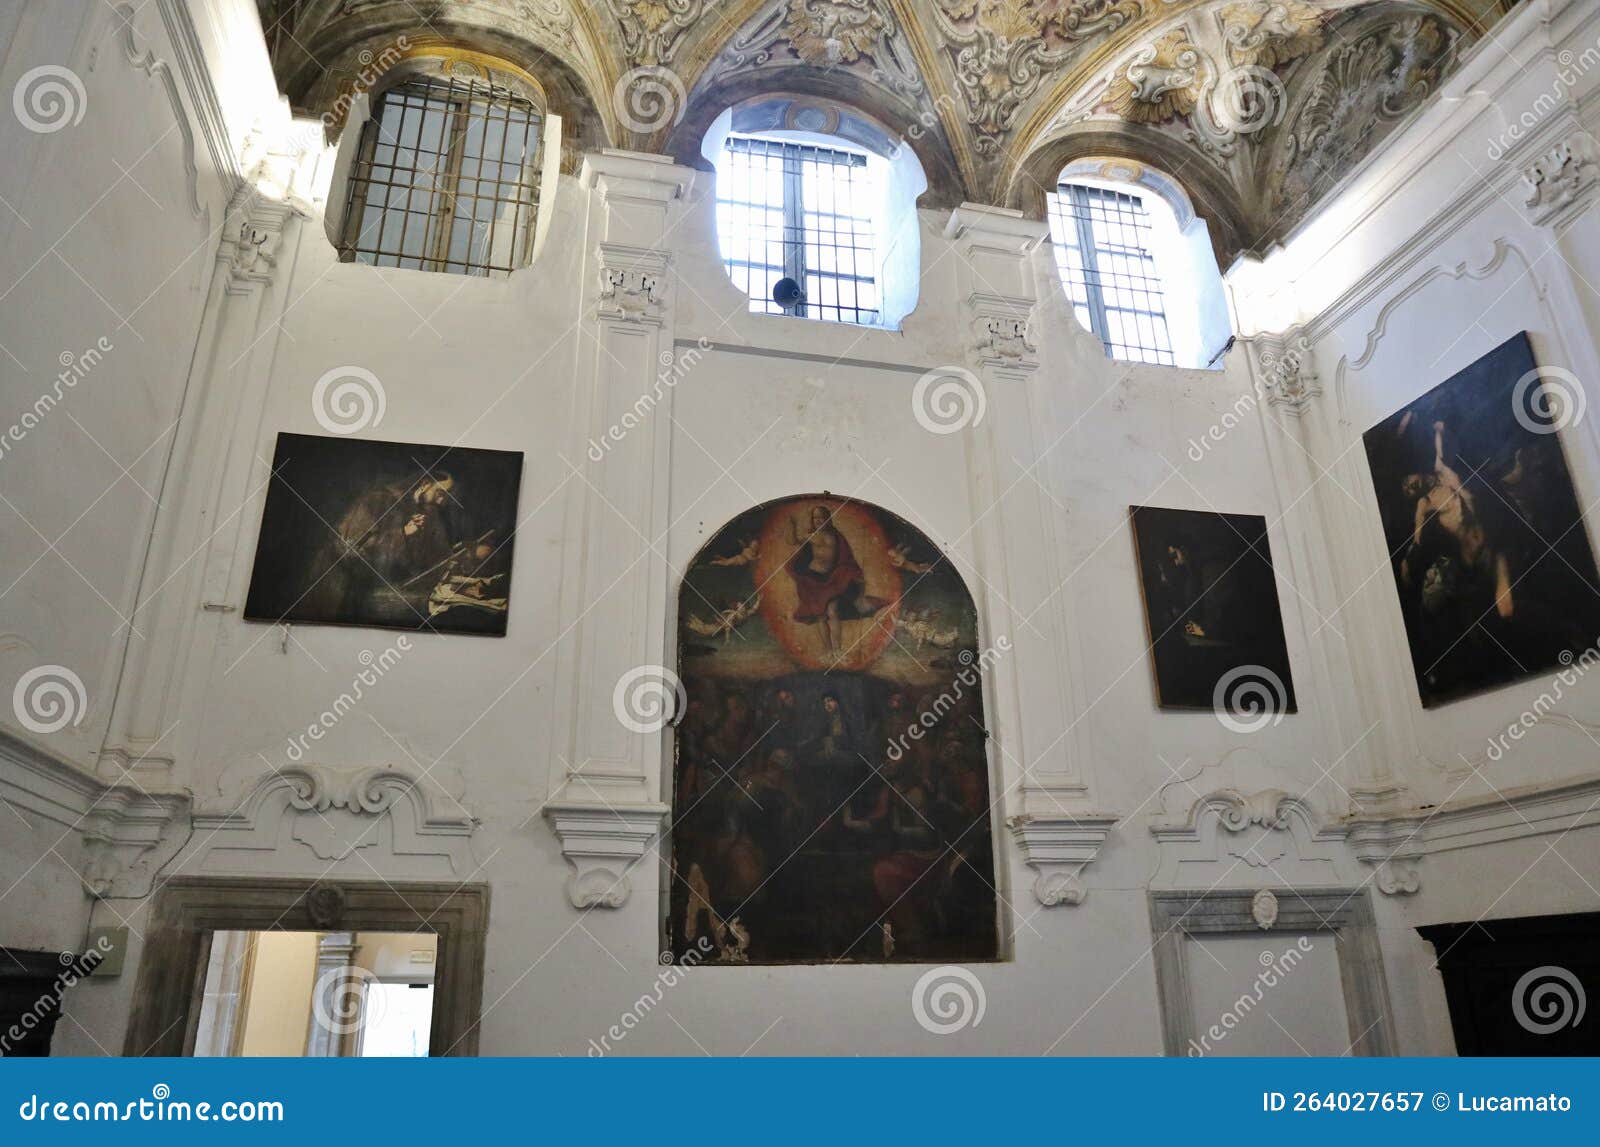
(1258, 107)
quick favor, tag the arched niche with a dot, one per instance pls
(831, 789)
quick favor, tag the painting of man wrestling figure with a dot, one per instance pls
(831, 796)
(387, 534)
(1484, 529)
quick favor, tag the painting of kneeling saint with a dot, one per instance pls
(831, 796)
(1211, 605)
(1485, 532)
(388, 534)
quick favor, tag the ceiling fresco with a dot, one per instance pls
(1257, 107)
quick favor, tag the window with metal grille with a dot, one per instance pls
(798, 211)
(1102, 245)
(445, 179)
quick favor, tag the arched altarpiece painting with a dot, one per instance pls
(831, 794)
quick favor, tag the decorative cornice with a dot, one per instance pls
(1395, 841)
(1559, 184)
(126, 832)
(602, 842)
(1058, 849)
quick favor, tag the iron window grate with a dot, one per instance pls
(1102, 245)
(445, 180)
(803, 212)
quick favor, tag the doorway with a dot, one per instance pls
(277, 993)
(243, 966)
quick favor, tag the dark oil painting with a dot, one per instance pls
(831, 790)
(388, 534)
(1485, 534)
(1211, 604)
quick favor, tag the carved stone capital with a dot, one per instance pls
(1393, 847)
(602, 842)
(1286, 376)
(1560, 183)
(1058, 849)
(633, 282)
(1001, 331)
(127, 833)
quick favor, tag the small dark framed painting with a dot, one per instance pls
(1211, 604)
(387, 534)
(1484, 529)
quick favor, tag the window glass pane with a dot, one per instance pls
(1102, 241)
(787, 208)
(451, 183)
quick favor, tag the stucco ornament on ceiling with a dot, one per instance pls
(1267, 34)
(1002, 51)
(1376, 79)
(858, 36)
(1160, 83)
(1277, 98)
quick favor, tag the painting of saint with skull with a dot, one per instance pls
(831, 796)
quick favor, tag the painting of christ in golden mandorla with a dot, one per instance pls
(831, 792)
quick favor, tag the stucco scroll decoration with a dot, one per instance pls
(854, 35)
(1160, 83)
(1058, 849)
(653, 29)
(1002, 50)
(1269, 33)
(1561, 179)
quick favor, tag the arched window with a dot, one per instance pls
(1137, 265)
(446, 178)
(820, 196)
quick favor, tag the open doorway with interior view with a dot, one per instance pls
(246, 966)
(275, 993)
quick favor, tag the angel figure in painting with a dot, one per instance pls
(898, 559)
(829, 581)
(749, 551)
(727, 621)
